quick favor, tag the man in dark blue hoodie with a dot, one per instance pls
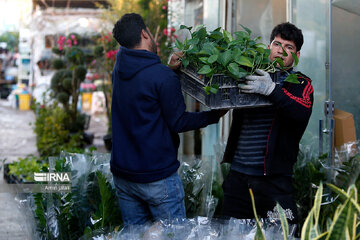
(148, 111)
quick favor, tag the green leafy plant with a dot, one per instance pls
(310, 172)
(24, 168)
(71, 66)
(88, 210)
(191, 178)
(345, 221)
(219, 52)
(307, 174)
(259, 235)
(52, 130)
(105, 214)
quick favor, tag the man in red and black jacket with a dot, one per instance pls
(264, 142)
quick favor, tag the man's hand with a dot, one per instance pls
(174, 61)
(261, 84)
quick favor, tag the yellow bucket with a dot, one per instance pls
(24, 101)
(86, 101)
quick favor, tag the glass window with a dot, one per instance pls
(345, 69)
(314, 24)
(205, 12)
(259, 16)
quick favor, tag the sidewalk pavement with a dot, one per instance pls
(17, 139)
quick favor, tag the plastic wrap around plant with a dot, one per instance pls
(199, 228)
(88, 210)
(202, 180)
(311, 170)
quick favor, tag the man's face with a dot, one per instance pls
(277, 51)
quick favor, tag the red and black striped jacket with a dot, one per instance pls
(293, 103)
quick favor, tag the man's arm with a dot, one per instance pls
(173, 109)
(296, 105)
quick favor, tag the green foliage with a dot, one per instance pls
(65, 83)
(24, 168)
(78, 125)
(218, 193)
(105, 214)
(259, 235)
(11, 39)
(58, 64)
(307, 173)
(345, 221)
(219, 52)
(57, 79)
(202, 186)
(218, 49)
(75, 55)
(40, 213)
(89, 57)
(57, 51)
(51, 128)
(343, 224)
(349, 173)
(98, 51)
(310, 172)
(89, 209)
(283, 220)
(192, 187)
(63, 97)
(80, 73)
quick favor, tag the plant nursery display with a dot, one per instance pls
(328, 200)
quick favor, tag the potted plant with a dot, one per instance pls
(71, 66)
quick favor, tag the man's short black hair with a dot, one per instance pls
(127, 30)
(288, 32)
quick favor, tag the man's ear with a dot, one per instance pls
(298, 54)
(144, 34)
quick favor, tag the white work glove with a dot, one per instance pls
(261, 83)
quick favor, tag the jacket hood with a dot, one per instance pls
(129, 62)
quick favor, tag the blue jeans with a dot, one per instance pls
(143, 202)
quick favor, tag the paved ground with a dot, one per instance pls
(17, 139)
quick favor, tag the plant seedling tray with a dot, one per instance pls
(228, 95)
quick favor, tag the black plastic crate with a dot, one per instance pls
(228, 95)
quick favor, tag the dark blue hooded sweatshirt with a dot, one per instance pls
(148, 111)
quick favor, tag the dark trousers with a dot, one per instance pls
(267, 191)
